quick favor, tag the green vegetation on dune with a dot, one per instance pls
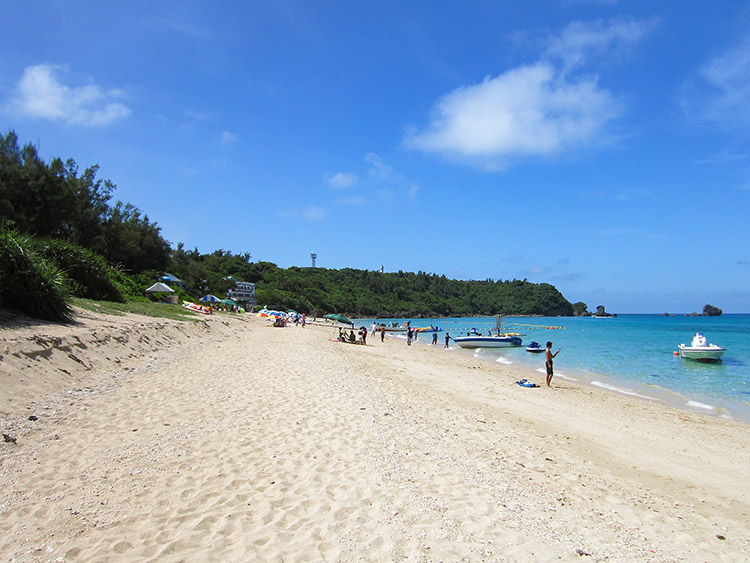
(30, 283)
(147, 308)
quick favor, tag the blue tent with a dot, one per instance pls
(210, 299)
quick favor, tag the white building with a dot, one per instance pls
(242, 291)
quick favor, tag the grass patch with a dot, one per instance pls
(149, 309)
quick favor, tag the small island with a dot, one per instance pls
(711, 311)
(600, 312)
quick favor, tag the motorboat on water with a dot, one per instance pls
(700, 350)
(535, 347)
(498, 341)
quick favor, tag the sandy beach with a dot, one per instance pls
(138, 439)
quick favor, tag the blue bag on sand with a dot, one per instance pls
(526, 383)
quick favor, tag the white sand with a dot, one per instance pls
(230, 440)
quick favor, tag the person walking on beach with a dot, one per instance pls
(409, 336)
(447, 338)
(382, 333)
(434, 338)
(364, 335)
(549, 356)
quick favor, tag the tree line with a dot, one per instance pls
(60, 222)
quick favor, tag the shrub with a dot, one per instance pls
(29, 283)
(88, 272)
(131, 288)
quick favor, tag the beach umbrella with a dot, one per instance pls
(160, 287)
(229, 302)
(210, 299)
(336, 317)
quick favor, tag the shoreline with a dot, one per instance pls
(239, 441)
(608, 384)
(626, 379)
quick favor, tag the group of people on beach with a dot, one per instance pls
(360, 338)
(411, 335)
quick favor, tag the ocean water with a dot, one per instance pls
(628, 354)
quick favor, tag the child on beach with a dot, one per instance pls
(549, 356)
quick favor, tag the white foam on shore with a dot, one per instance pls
(560, 375)
(504, 361)
(563, 376)
(620, 390)
(698, 405)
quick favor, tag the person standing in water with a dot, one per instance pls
(549, 356)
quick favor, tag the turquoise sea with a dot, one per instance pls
(629, 354)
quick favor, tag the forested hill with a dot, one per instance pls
(364, 293)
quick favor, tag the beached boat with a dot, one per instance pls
(700, 350)
(535, 347)
(498, 341)
(203, 310)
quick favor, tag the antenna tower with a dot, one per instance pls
(313, 256)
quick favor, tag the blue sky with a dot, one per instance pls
(600, 146)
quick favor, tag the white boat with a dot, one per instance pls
(700, 350)
(498, 341)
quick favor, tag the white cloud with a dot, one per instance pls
(311, 213)
(314, 213)
(228, 138)
(341, 179)
(539, 109)
(581, 40)
(202, 116)
(39, 94)
(527, 111)
(182, 25)
(354, 200)
(720, 93)
(378, 168)
(538, 270)
(636, 194)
